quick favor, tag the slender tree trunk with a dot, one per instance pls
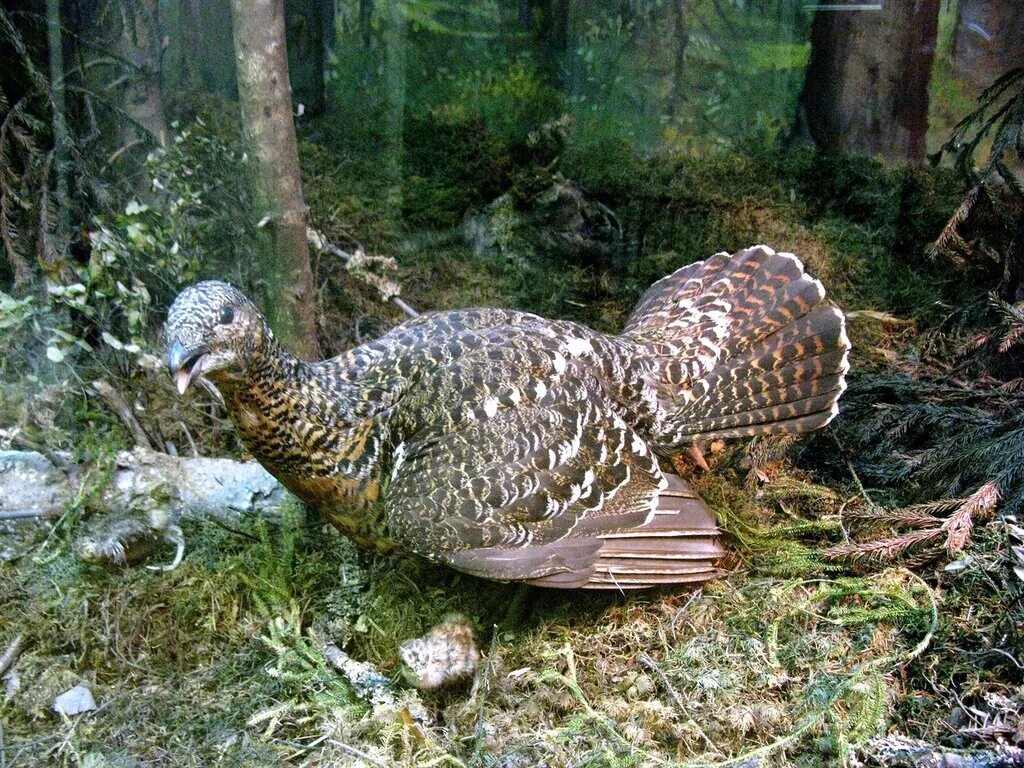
(559, 27)
(207, 38)
(141, 43)
(867, 81)
(682, 41)
(53, 245)
(265, 95)
(524, 14)
(556, 37)
(394, 90)
(365, 20)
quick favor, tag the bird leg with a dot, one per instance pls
(172, 534)
(695, 454)
(519, 608)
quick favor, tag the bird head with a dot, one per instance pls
(212, 329)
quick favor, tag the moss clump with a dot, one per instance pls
(451, 167)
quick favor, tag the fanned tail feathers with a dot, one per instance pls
(749, 346)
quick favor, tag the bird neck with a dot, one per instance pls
(269, 361)
(268, 367)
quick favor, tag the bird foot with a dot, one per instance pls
(695, 454)
(174, 534)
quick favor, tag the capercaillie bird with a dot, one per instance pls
(516, 448)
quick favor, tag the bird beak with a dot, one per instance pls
(184, 364)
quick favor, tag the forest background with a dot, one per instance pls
(558, 157)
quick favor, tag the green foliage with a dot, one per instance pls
(508, 98)
(999, 117)
(453, 164)
(109, 306)
(201, 182)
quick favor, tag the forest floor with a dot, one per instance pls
(794, 659)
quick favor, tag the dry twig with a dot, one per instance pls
(116, 402)
(357, 263)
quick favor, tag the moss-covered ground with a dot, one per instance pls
(792, 660)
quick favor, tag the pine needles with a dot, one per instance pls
(931, 528)
(995, 202)
(999, 114)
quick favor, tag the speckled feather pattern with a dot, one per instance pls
(447, 654)
(519, 448)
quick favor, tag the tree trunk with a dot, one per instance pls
(987, 41)
(682, 41)
(265, 94)
(394, 94)
(867, 81)
(524, 16)
(556, 37)
(305, 36)
(53, 245)
(141, 43)
(206, 45)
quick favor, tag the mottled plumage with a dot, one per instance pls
(446, 654)
(517, 448)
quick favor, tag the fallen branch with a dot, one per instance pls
(11, 654)
(902, 752)
(366, 681)
(31, 486)
(357, 263)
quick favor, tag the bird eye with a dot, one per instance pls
(227, 315)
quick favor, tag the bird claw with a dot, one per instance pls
(174, 534)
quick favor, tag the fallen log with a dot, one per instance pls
(224, 489)
(897, 751)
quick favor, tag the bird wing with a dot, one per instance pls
(523, 483)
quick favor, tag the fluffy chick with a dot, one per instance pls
(446, 654)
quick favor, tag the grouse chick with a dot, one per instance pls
(517, 448)
(447, 654)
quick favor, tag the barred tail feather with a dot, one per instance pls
(760, 349)
(679, 544)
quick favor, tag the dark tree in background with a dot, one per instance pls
(988, 40)
(867, 80)
(681, 33)
(304, 24)
(141, 40)
(264, 91)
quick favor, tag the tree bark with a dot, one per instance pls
(141, 43)
(987, 40)
(365, 24)
(394, 94)
(867, 81)
(524, 15)
(51, 252)
(682, 42)
(264, 90)
(556, 37)
(32, 486)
